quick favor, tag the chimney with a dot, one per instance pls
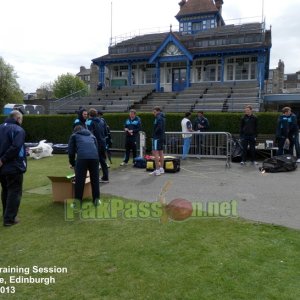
(219, 4)
(82, 69)
(181, 3)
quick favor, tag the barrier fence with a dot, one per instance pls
(203, 145)
(118, 141)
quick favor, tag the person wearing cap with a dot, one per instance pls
(132, 128)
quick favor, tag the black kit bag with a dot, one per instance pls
(280, 163)
(236, 150)
(140, 162)
(171, 164)
(60, 148)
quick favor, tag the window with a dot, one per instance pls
(229, 72)
(298, 76)
(150, 76)
(199, 70)
(242, 71)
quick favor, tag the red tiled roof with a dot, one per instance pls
(192, 7)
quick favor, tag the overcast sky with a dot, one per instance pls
(42, 39)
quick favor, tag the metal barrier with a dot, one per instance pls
(203, 144)
(118, 141)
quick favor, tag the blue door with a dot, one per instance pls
(179, 80)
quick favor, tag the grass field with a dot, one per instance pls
(143, 259)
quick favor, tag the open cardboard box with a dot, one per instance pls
(63, 187)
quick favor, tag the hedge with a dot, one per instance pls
(57, 128)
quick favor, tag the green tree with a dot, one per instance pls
(10, 91)
(67, 84)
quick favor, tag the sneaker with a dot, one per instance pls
(101, 180)
(7, 224)
(161, 170)
(97, 202)
(123, 163)
(155, 173)
(243, 163)
(298, 160)
(254, 163)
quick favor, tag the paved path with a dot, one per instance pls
(271, 198)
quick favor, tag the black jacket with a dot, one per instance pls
(248, 126)
(98, 127)
(12, 149)
(80, 119)
(200, 121)
(82, 145)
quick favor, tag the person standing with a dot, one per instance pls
(287, 132)
(83, 156)
(81, 119)
(13, 165)
(186, 127)
(248, 134)
(97, 126)
(200, 124)
(158, 141)
(132, 128)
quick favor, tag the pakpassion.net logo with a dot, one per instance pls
(178, 210)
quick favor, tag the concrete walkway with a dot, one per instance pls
(270, 198)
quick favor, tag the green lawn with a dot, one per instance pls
(144, 259)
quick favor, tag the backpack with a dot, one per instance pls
(280, 163)
(236, 150)
(139, 162)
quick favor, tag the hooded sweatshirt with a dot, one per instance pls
(82, 145)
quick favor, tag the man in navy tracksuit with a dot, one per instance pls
(132, 128)
(287, 132)
(98, 127)
(83, 147)
(248, 134)
(13, 165)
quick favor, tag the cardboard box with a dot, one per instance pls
(63, 188)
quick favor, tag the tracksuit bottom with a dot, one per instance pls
(11, 195)
(81, 168)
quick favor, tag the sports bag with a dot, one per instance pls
(236, 150)
(60, 148)
(280, 163)
(171, 164)
(139, 162)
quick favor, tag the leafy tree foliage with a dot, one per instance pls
(10, 91)
(67, 84)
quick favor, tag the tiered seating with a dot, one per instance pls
(157, 99)
(112, 99)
